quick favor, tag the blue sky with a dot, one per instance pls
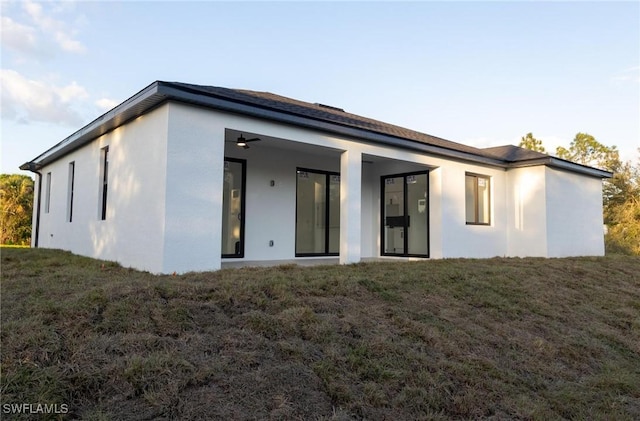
(479, 73)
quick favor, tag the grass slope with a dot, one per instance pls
(450, 339)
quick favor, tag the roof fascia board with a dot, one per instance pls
(583, 169)
(563, 165)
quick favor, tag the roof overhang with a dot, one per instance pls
(139, 104)
(160, 92)
(561, 164)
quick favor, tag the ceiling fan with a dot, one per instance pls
(243, 143)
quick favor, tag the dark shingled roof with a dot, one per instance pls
(512, 153)
(333, 115)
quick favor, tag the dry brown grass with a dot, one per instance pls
(451, 339)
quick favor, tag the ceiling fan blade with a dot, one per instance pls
(253, 140)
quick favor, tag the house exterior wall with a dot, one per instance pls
(166, 173)
(369, 237)
(270, 210)
(574, 214)
(133, 231)
(553, 213)
(526, 214)
(195, 167)
(477, 241)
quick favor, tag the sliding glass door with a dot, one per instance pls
(233, 194)
(405, 214)
(317, 213)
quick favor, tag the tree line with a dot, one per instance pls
(16, 206)
(621, 194)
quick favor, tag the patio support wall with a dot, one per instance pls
(195, 178)
(350, 206)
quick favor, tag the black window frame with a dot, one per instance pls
(105, 182)
(243, 206)
(476, 202)
(47, 197)
(72, 177)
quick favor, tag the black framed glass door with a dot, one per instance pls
(405, 214)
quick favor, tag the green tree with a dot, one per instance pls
(622, 211)
(586, 150)
(530, 142)
(16, 204)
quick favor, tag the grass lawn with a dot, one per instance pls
(531, 339)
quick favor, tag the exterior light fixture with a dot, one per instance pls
(242, 142)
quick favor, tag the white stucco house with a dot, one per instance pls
(182, 177)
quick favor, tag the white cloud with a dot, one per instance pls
(57, 28)
(17, 36)
(631, 74)
(26, 100)
(106, 104)
(40, 34)
(71, 92)
(68, 44)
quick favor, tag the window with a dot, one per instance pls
(478, 199)
(72, 170)
(104, 181)
(317, 213)
(233, 209)
(47, 194)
